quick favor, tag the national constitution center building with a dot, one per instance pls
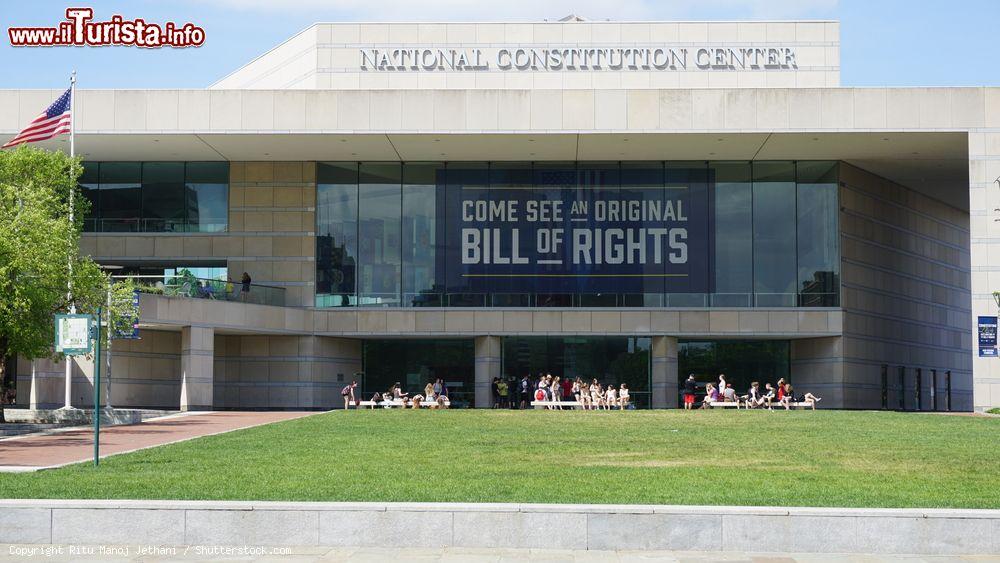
(626, 201)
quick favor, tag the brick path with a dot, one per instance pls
(36, 452)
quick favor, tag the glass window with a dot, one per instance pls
(379, 245)
(422, 231)
(121, 205)
(89, 183)
(415, 363)
(644, 181)
(743, 362)
(733, 234)
(463, 179)
(818, 255)
(163, 202)
(552, 182)
(609, 360)
(510, 181)
(207, 196)
(775, 274)
(754, 234)
(687, 184)
(336, 234)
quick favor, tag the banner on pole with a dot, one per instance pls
(987, 337)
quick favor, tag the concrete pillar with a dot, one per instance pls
(197, 368)
(663, 379)
(487, 367)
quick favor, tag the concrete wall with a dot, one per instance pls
(272, 211)
(905, 292)
(283, 372)
(984, 201)
(144, 373)
(817, 367)
(581, 527)
(327, 55)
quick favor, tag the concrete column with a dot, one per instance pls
(663, 379)
(818, 367)
(197, 368)
(487, 367)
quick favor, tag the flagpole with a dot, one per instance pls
(72, 219)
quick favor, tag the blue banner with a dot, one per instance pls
(987, 337)
(569, 232)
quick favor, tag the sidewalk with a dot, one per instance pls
(31, 453)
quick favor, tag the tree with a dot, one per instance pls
(38, 242)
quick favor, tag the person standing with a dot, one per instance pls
(245, 289)
(690, 387)
(348, 394)
(502, 392)
(524, 390)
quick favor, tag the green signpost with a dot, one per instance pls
(76, 335)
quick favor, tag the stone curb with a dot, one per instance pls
(593, 527)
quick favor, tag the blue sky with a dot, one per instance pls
(883, 42)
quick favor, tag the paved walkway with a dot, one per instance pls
(30, 453)
(55, 553)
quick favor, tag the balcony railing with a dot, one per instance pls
(592, 300)
(204, 288)
(136, 225)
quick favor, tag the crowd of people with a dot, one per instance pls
(781, 394)
(554, 389)
(435, 396)
(577, 393)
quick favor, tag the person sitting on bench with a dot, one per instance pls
(753, 396)
(729, 395)
(711, 396)
(788, 396)
(768, 397)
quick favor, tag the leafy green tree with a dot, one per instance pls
(38, 242)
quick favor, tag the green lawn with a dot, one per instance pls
(822, 458)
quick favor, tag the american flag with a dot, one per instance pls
(54, 120)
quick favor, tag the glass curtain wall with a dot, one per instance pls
(414, 363)
(336, 234)
(156, 196)
(610, 360)
(388, 234)
(743, 362)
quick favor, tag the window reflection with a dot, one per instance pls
(156, 196)
(384, 236)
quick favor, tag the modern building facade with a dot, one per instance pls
(626, 201)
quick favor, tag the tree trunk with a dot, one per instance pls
(3, 375)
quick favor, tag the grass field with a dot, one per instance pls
(822, 458)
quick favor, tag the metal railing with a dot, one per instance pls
(207, 288)
(137, 225)
(539, 300)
